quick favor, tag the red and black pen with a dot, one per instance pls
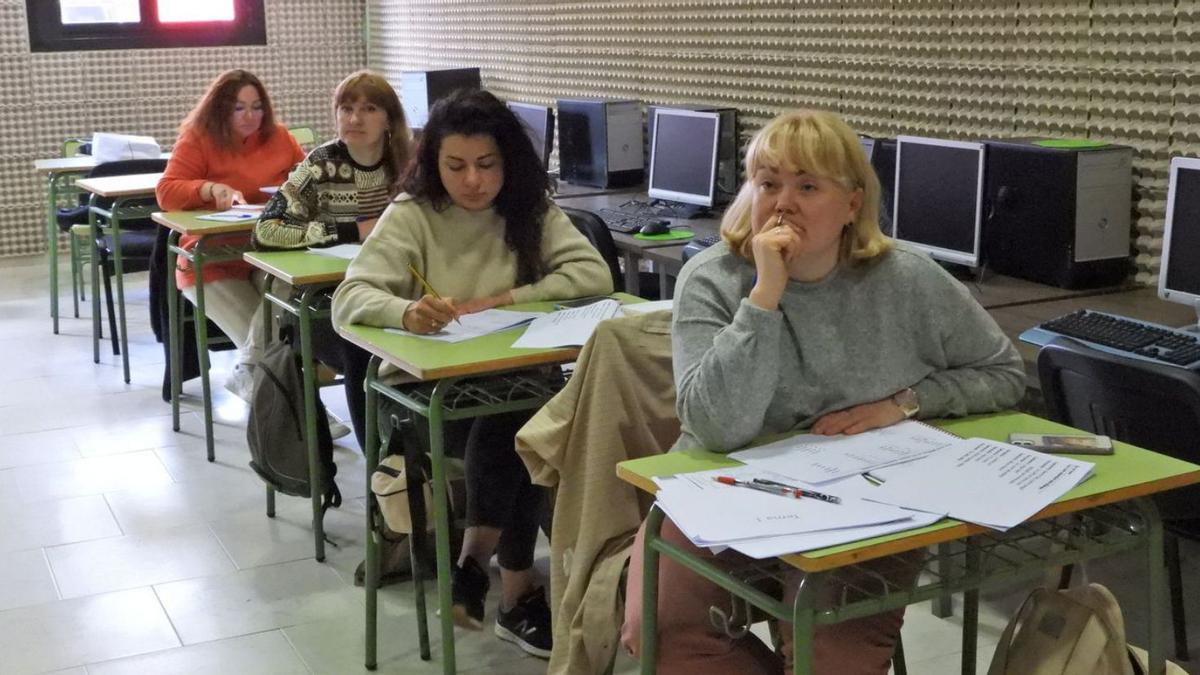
(777, 488)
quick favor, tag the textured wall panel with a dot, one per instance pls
(47, 97)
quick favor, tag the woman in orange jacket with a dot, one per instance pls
(229, 147)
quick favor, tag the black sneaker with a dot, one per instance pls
(527, 625)
(468, 589)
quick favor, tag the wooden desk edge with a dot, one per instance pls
(515, 362)
(209, 227)
(824, 563)
(307, 280)
(89, 184)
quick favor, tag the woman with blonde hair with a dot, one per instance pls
(806, 317)
(229, 147)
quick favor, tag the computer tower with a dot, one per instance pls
(1058, 213)
(727, 146)
(883, 160)
(600, 142)
(419, 90)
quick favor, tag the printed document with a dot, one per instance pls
(474, 325)
(231, 216)
(343, 251)
(816, 459)
(712, 513)
(567, 327)
(988, 483)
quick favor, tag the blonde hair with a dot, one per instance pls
(820, 143)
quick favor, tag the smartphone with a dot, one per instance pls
(1076, 444)
(580, 302)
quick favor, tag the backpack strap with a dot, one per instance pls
(999, 665)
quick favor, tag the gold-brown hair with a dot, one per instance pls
(213, 115)
(373, 88)
(819, 143)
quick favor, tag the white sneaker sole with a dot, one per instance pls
(509, 636)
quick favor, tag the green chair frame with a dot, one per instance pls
(305, 136)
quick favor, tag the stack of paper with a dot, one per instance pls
(988, 483)
(474, 325)
(567, 327)
(343, 251)
(817, 459)
(761, 524)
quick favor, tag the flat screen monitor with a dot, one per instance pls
(538, 121)
(1179, 275)
(868, 146)
(938, 197)
(683, 159)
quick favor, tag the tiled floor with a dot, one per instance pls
(123, 551)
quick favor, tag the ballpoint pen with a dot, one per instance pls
(781, 489)
(873, 479)
(428, 288)
(800, 492)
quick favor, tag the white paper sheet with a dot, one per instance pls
(711, 513)
(989, 483)
(769, 547)
(567, 327)
(343, 251)
(644, 307)
(817, 459)
(230, 216)
(248, 208)
(474, 325)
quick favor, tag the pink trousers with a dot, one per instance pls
(689, 643)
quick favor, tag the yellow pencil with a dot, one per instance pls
(429, 289)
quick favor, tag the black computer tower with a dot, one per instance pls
(1058, 213)
(600, 142)
(883, 160)
(419, 90)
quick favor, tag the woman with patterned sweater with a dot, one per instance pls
(335, 196)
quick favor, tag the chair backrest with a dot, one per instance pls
(597, 233)
(1151, 405)
(76, 146)
(305, 136)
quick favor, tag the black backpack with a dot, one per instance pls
(278, 451)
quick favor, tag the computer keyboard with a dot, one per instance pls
(1121, 335)
(710, 240)
(625, 223)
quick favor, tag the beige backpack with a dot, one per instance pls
(389, 483)
(1078, 631)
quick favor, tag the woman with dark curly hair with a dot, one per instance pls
(477, 222)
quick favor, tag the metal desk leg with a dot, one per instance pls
(1157, 605)
(266, 310)
(664, 284)
(115, 224)
(970, 625)
(371, 578)
(442, 521)
(632, 278)
(202, 346)
(52, 247)
(308, 372)
(93, 233)
(173, 326)
(943, 604)
(649, 637)
(804, 608)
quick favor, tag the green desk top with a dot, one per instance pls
(188, 222)
(1129, 472)
(432, 360)
(299, 268)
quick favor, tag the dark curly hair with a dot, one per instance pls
(524, 197)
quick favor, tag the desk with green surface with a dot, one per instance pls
(311, 274)
(218, 241)
(473, 378)
(1106, 514)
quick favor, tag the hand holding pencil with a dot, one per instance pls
(432, 312)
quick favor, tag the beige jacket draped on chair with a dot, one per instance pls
(619, 404)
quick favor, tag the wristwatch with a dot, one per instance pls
(906, 400)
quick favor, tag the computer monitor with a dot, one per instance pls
(938, 196)
(683, 159)
(868, 145)
(1179, 275)
(538, 121)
